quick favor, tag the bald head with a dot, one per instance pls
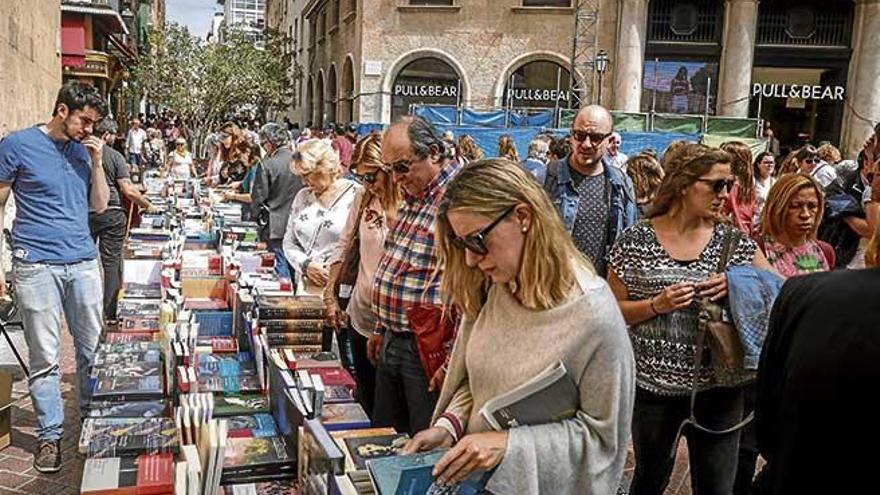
(589, 137)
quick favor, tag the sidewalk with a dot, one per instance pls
(17, 475)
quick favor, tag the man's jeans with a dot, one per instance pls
(108, 229)
(713, 458)
(43, 292)
(402, 397)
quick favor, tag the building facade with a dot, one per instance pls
(30, 61)
(809, 68)
(248, 15)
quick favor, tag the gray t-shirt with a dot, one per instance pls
(590, 231)
(115, 168)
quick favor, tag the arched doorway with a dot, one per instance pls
(320, 108)
(427, 80)
(346, 102)
(332, 94)
(538, 84)
(308, 111)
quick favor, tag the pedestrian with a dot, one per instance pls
(134, 143)
(57, 175)
(317, 215)
(275, 186)
(155, 149)
(829, 154)
(468, 149)
(179, 164)
(772, 142)
(646, 175)
(531, 300)
(742, 202)
(108, 228)
(659, 268)
(507, 148)
(559, 148)
(343, 144)
(536, 161)
(617, 158)
(232, 143)
(595, 200)
(363, 239)
(409, 274)
(763, 168)
(240, 192)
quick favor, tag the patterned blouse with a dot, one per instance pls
(665, 345)
(794, 261)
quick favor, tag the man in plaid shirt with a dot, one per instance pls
(408, 275)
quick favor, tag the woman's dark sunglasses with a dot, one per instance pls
(719, 184)
(476, 242)
(369, 177)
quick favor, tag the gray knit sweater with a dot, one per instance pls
(507, 345)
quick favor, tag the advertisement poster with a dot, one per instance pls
(679, 86)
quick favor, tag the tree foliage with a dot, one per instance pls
(206, 83)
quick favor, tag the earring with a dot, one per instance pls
(525, 229)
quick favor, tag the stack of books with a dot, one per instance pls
(290, 322)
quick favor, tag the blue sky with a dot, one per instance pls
(194, 14)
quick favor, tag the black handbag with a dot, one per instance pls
(348, 271)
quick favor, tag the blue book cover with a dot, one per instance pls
(411, 475)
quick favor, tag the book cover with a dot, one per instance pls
(549, 397)
(134, 369)
(141, 475)
(363, 449)
(338, 394)
(249, 455)
(252, 426)
(128, 388)
(321, 456)
(289, 307)
(106, 358)
(334, 376)
(294, 338)
(411, 475)
(132, 409)
(139, 324)
(284, 487)
(290, 326)
(113, 437)
(129, 337)
(234, 405)
(346, 416)
(141, 291)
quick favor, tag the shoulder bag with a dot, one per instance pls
(348, 271)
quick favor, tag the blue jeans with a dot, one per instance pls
(282, 267)
(43, 292)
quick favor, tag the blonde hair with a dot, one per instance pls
(468, 148)
(317, 157)
(368, 151)
(741, 167)
(780, 195)
(683, 168)
(489, 187)
(829, 153)
(507, 148)
(646, 175)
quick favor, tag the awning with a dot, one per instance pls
(73, 41)
(107, 13)
(128, 57)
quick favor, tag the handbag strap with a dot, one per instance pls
(731, 239)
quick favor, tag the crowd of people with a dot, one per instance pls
(575, 254)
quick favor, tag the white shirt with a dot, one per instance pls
(619, 160)
(180, 165)
(135, 141)
(824, 174)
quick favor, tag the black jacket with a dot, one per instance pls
(275, 186)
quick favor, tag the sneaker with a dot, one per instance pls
(47, 458)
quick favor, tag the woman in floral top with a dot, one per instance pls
(658, 269)
(317, 214)
(792, 216)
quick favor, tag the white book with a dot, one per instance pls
(208, 456)
(180, 478)
(190, 454)
(220, 454)
(318, 400)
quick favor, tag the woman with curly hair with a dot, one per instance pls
(742, 202)
(468, 151)
(507, 148)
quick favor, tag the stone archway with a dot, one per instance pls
(463, 90)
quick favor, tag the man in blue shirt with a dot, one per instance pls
(56, 173)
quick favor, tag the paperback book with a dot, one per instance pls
(117, 437)
(141, 475)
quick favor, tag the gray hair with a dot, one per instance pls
(422, 136)
(106, 126)
(538, 148)
(275, 134)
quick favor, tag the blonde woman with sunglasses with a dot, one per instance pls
(373, 210)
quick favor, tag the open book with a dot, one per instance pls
(548, 397)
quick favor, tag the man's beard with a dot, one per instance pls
(64, 128)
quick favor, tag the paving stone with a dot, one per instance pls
(13, 480)
(42, 485)
(15, 465)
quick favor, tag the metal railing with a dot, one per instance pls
(831, 27)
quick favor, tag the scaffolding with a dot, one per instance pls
(585, 42)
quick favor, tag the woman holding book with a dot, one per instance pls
(530, 301)
(360, 245)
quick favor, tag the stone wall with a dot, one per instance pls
(30, 64)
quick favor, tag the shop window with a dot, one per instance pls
(689, 21)
(546, 3)
(538, 84)
(428, 81)
(679, 86)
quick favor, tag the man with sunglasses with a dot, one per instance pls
(57, 175)
(408, 274)
(594, 198)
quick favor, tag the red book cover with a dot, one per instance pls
(124, 337)
(155, 474)
(334, 376)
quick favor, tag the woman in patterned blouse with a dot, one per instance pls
(658, 270)
(792, 216)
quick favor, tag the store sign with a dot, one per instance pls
(802, 91)
(538, 95)
(425, 90)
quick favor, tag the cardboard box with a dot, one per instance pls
(5, 409)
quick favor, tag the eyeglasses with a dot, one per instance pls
(811, 161)
(476, 242)
(594, 137)
(369, 177)
(719, 185)
(400, 166)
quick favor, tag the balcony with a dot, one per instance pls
(97, 66)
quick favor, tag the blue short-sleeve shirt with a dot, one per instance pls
(51, 182)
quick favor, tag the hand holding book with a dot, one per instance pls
(475, 452)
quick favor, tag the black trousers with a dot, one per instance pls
(108, 230)
(402, 397)
(748, 449)
(713, 458)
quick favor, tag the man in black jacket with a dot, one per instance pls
(819, 367)
(275, 186)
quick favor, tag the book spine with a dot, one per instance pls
(303, 313)
(294, 339)
(292, 325)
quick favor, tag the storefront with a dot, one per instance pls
(425, 81)
(538, 84)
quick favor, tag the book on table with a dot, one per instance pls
(548, 397)
(250, 459)
(344, 416)
(116, 437)
(412, 475)
(146, 474)
(319, 458)
(130, 409)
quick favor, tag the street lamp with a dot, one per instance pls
(601, 66)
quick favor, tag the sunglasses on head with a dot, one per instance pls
(594, 137)
(719, 185)
(476, 242)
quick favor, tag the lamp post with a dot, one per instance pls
(601, 66)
